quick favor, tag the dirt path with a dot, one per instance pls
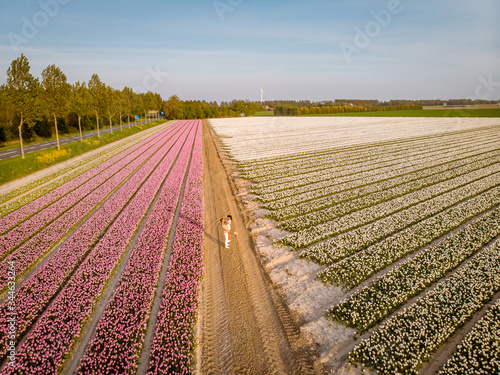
(245, 326)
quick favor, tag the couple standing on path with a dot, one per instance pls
(226, 226)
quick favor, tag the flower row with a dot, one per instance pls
(93, 242)
(62, 176)
(362, 163)
(120, 333)
(386, 195)
(435, 195)
(357, 268)
(36, 214)
(345, 244)
(258, 138)
(479, 352)
(409, 338)
(365, 186)
(294, 206)
(373, 303)
(172, 350)
(351, 180)
(265, 169)
(42, 242)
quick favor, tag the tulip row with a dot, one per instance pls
(92, 251)
(360, 238)
(373, 303)
(400, 191)
(173, 345)
(42, 211)
(42, 242)
(479, 352)
(120, 333)
(397, 185)
(354, 179)
(404, 205)
(359, 267)
(263, 170)
(368, 163)
(337, 193)
(404, 342)
(62, 176)
(293, 135)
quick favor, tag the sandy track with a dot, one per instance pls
(245, 326)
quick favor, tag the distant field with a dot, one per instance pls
(461, 112)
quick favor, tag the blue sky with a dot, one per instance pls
(225, 49)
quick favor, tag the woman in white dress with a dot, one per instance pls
(226, 226)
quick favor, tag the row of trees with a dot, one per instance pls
(295, 111)
(282, 110)
(27, 100)
(175, 108)
(368, 103)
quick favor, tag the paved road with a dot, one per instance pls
(41, 146)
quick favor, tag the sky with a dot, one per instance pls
(219, 50)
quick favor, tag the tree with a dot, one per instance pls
(111, 104)
(80, 102)
(6, 109)
(98, 92)
(23, 94)
(55, 93)
(158, 104)
(127, 96)
(138, 104)
(148, 101)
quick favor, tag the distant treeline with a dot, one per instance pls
(175, 108)
(282, 110)
(372, 103)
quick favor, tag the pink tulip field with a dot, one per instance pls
(88, 258)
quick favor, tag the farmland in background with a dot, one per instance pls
(402, 215)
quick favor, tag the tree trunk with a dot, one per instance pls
(121, 128)
(110, 125)
(97, 118)
(21, 137)
(57, 133)
(80, 128)
(128, 116)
